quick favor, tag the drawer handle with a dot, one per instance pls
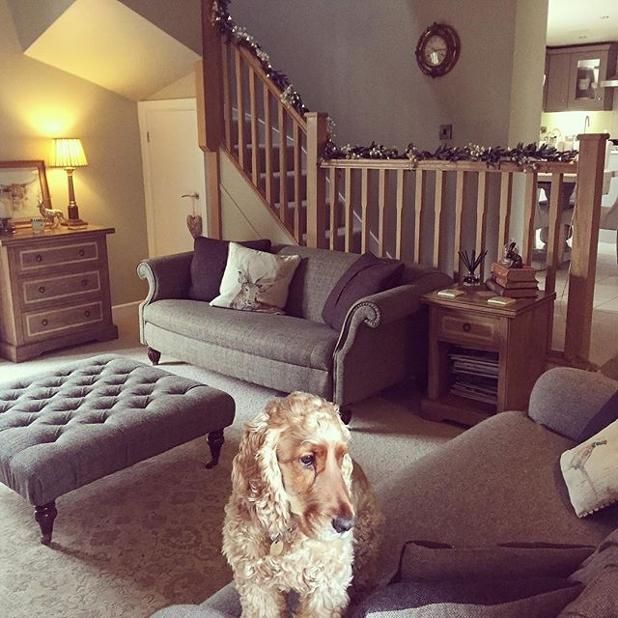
(42, 289)
(81, 253)
(87, 313)
(39, 258)
(44, 322)
(84, 282)
(467, 327)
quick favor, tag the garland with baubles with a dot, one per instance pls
(221, 18)
(493, 156)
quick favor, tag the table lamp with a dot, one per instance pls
(69, 154)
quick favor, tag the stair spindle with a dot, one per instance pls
(381, 210)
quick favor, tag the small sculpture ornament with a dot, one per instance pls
(53, 216)
(511, 257)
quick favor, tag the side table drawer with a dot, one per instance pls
(61, 321)
(29, 260)
(54, 288)
(467, 328)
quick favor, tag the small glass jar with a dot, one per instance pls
(471, 279)
(38, 224)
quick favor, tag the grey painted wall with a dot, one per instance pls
(355, 60)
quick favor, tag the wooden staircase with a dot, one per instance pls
(423, 211)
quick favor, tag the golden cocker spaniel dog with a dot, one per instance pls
(301, 516)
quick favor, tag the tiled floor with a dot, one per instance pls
(604, 339)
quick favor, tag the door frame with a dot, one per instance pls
(142, 109)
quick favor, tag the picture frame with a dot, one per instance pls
(23, 186)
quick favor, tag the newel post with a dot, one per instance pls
(586, 218)
(209, 76)
(317, 134)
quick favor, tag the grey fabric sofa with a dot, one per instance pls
(381, 343)
(496, 488)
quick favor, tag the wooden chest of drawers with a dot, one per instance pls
(54, 291)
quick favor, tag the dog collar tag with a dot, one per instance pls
(276, 548)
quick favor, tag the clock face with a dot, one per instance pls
(437, 50)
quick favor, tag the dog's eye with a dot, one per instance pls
(307, 460)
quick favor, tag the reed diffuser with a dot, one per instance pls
(472, 262)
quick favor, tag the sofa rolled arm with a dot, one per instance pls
(565, 399)
(394, 304)
(168, 276)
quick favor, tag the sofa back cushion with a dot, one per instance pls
(315, 277)
(367, 275)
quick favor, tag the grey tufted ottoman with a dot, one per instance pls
(63, 430)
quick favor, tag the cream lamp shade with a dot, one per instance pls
(69, 153)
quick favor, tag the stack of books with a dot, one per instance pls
(475, 374)
(513, 282)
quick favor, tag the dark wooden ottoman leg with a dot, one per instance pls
(153, 355)
(215, 442)
(45, 516)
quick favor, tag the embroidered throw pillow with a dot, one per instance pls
(208, 264)
(255, 280)
(589, 471)
(367, 275)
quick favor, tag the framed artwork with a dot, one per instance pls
(23, 186)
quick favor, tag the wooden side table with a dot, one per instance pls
(517, 334)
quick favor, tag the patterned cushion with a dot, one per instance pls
(589, 471)
(65, 429)
(255, 280)
(208, 264)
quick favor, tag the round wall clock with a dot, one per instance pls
(437, 50)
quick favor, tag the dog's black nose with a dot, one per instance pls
(342, 524)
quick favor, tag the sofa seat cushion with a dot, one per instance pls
(278, 337)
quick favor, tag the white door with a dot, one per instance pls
(173, 168)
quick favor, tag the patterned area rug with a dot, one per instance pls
(149, 536)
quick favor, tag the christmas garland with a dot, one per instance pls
(493, 156)
(221, 18)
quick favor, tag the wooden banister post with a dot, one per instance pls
(586, 218)
(209, 76)
(317, 133)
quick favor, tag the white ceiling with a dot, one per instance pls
(579, 22)
(107, 43)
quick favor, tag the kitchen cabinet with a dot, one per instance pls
(573, 77)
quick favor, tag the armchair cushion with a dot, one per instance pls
(535, 597)
(429, 561)
(208, 264)
(366, 276)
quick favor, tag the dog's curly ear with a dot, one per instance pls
(256, 476)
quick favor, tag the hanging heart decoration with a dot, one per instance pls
(194, 223)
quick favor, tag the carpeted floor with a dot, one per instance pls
(149, 536)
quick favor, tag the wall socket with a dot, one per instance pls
(446, 131)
